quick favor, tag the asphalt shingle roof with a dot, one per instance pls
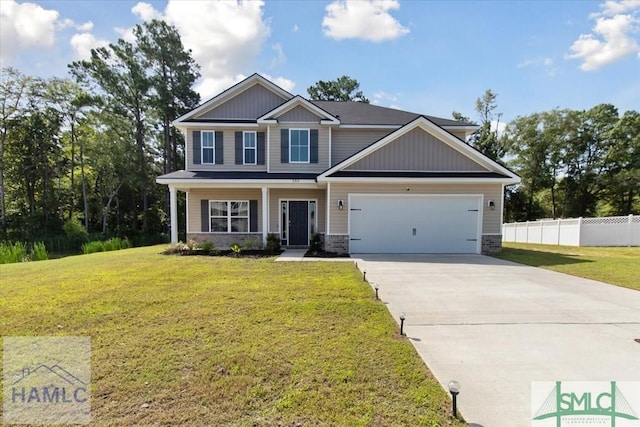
(360, 113)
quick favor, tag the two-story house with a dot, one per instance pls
(368, 179)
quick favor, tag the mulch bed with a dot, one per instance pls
(323, 254)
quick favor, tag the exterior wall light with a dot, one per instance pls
(340, 204)
(492, 205)
(402, 318)
(454, 389)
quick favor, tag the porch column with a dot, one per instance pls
(173, 202)
(265, 214)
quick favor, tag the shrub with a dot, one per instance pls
(175, 248)
(10, 253)
(113, 244)
(39, 252)
(236, 248)
(273, 243)
(73, 229)
(248, 243)
(206, 246)
(192, 244)
(315, 245)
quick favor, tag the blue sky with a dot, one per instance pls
(431, 57)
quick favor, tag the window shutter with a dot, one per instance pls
(197, 153)
(253, 216)
(239, 159)
(261, 148)
(284, 145)
(313, 146)
(205, 223)
(219, 148)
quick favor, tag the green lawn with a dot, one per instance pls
(618, 266)
(221, 341)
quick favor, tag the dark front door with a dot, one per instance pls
(298, 223)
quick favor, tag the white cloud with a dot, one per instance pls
(25, 26)
(295, 28)
(384, 98)
(145, 11)
(362, 19)
(283, 82)
(544, 62)
(86, 27)
(82, 43)
(498, 126)
(614, 35)
(613, 7)
(125, 34)
(280, 57)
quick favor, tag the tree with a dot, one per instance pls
(342, 89)
(486, 139)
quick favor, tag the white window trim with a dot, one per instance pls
(229, 216)
(308, 145)
(254, 148)
(202, 147)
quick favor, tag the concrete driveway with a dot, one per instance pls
(496, 326)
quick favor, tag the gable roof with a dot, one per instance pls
(231, 92)
(294, 102)
(496, 172)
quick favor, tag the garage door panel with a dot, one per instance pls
(414, 224)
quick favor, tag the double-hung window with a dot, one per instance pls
(229, 216)
(249, 148)
(208, 147)
(299, 146)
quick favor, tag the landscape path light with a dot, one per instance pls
(376, 287)
(454, 389)
(402, 317)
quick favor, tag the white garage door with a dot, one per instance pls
(414, 224)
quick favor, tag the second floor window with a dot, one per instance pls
(299, 146)
(250, 145)
(208, 147)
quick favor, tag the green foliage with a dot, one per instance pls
(315, 245)
(342, 89)
(74, 229)
(273, 243)
(39, 252)
(12, 252)
(236, 248)
(19, 252)
(113, 244)
(206, 246)
(249, 243)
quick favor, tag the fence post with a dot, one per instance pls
(526, 234)
(579, 230)
(558, 231)
(629, 234)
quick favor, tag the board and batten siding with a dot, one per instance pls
(299, 114)
(347, 142)
(490, 218)
(196, 195)
(417, 150)
(249, 104)
(229, 161)
(323, 150)
(278, 194)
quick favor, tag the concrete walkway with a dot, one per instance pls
(496, 326)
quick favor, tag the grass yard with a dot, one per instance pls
(616, 265)
(221, 341)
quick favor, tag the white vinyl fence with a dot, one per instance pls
(604, 231)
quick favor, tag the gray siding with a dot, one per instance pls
(277, 194)
(229, 152)
(198, 194)
(323, 150)
(346, 142)
(249, 104)
(417, 150)
(339, 218)
(299, 114)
